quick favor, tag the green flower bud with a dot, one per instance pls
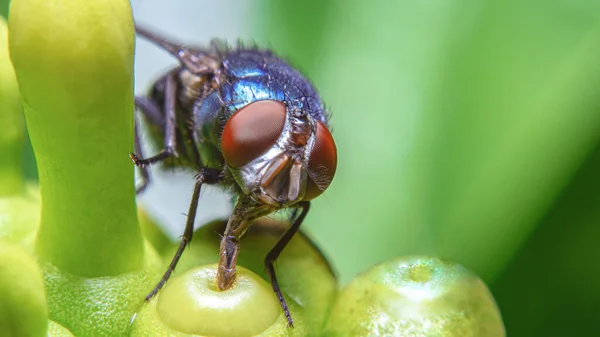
(20, 217)
(190, 305)
(416, 296)
(23, 310)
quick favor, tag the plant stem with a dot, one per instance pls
(11, 122)
(74, 64)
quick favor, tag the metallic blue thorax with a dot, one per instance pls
(250, 76)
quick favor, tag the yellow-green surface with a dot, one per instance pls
(57, 330)
(248, 309)
(20, 217)
(196, 292)
(11, 118)
(23, 310)
(416, 297)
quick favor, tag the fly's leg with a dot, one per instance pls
(243, 216)
(169, 126)
(206, 176)
(145, 176)
(273, 254)
(152, 112)
(150, 109)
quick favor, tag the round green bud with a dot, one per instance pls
(250, 301)
(192, 304)
(20, 217)
(186, 305)
(416, 296)
(23, 310)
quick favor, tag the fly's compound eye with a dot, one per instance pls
(321, 164)
(252, 131)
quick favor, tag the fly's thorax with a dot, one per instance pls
(192, 87)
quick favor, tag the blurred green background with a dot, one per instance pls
(465, 129)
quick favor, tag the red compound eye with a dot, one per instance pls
(251, 131)
(321, 164)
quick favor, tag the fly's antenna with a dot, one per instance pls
(196, 62)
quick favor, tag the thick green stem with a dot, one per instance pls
(74, 63)
(11, 121)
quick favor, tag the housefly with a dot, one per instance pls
(246, 120)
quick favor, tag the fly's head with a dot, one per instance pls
(278, 153)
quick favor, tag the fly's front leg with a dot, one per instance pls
(230, 245)
(206, 176)
(273, 254)
(226, 274)
(169, 126)
(244, 214)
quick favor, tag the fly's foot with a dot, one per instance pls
(135, 160)
(226, 278)
(226, 273)
(162, 155)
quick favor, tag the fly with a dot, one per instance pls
(244, 119)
